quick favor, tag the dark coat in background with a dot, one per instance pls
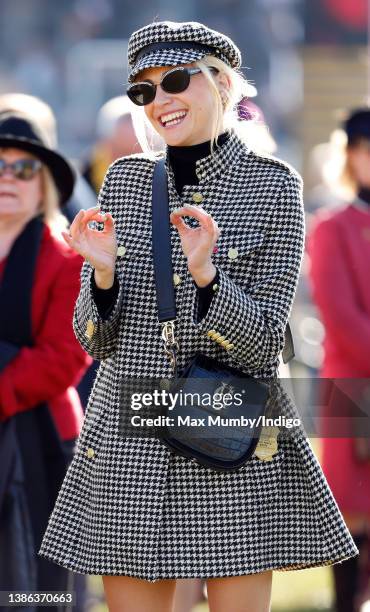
(33, 458)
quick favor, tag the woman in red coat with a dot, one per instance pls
(40, 359)
(339, 250)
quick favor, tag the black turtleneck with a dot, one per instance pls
(183, 163)
(364, 194)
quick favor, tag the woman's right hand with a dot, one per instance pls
(99, 248)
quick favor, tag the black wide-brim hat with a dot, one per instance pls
(19, 131)
(169, 43)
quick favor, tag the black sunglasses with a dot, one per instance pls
(23, 169)
(173, 81)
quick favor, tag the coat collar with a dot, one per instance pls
(213, 165)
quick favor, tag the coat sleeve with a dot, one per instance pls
(253, 319)
(205, 296)
(330, 276)
(97, 335)
(55, 361)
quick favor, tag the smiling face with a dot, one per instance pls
(19, 200)
(186, 118)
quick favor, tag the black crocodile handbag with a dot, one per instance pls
(223, 432)
(221, 427)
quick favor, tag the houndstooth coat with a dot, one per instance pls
(132, 507)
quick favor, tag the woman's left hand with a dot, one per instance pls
(197, 242)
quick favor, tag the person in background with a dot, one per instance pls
(115, 138)
(83, 196)
(41, 361)
(339, 251)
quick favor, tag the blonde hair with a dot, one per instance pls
(50, 208)
(226, 115)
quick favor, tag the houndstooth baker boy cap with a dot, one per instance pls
(169, 43)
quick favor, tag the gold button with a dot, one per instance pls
(211, 333)
(225, 343)
(220, 339)
(215, 287)
(232, 253)
(90, 328)
(197, 198)
(229, 347)
(90, 453)
(267, 445)
(216, 335)
(176, 279)
(121, 251)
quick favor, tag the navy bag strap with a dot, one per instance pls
(161, 247)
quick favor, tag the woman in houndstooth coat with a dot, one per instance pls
(129, 509)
